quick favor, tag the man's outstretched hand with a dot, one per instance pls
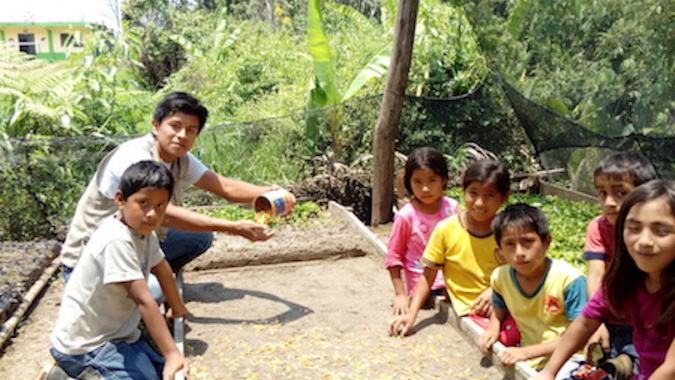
(254, 231)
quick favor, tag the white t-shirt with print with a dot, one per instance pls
(96, 307)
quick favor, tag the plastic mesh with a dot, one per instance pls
(556, 138)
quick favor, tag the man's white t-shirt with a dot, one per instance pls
(96, 307)
(129, 154)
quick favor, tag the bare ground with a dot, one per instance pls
(261, 311)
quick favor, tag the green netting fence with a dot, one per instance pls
(42, 178)
(563, 143)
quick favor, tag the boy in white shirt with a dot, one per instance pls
(107, 294)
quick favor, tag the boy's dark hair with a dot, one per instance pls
(520, 215)
(488, 171)
(632, 164)
(425, 157)
(623, 275)
(145, 174)
(183, 102)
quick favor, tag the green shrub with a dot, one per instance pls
(303, 212)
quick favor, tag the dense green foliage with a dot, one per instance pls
(94, 93)
(609, 65)
(38, 193)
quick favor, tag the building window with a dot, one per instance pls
(27, 43)
(72, 40)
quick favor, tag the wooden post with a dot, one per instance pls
(390, 112)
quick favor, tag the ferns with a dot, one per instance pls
(31, 91)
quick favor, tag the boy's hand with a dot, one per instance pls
(401, 303)
(177, 312)
(486, 341)
(254, 231)
(512, 355)
(601, 337)
(483, 303)
(401, 325)
(174, 362)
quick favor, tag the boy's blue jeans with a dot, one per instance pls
(115, 361)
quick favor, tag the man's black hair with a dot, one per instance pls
(145, 174)
(180, 102)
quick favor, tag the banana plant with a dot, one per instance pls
(326, 90)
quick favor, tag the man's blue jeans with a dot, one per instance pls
(180, 247)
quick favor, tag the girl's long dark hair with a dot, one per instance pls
(623, 276)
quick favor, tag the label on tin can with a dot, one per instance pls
(275, 203)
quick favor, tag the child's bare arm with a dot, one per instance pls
(483, 303)
(154, 321)
(571, 341)
(167, 282)
(402, 325)
(512, 355)
(666, 370)
(596, 271)
(491, 334)
(401, 300)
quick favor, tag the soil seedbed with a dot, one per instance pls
(21, 263)
(315, 320)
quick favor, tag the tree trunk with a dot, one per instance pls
(390, 112)
(267, 13)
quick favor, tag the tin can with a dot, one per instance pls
(274, 203)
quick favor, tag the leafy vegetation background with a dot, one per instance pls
(276, 108)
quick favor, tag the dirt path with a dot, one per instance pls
(282, 318)
(27, 352)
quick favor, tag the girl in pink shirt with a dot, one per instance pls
(426, 176)
(639, 287)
